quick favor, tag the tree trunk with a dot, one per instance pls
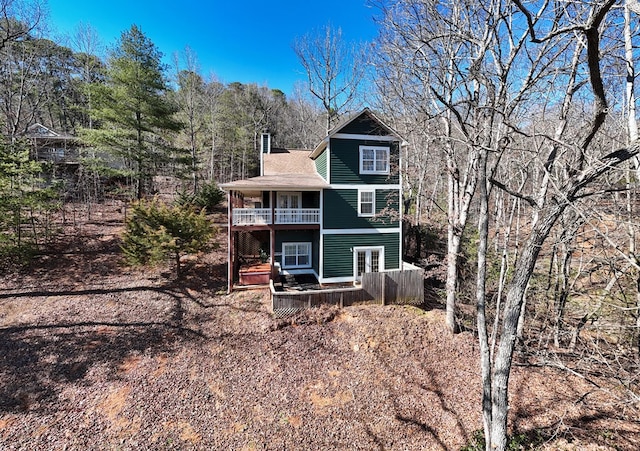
(453, 250)
(633, 135)
(514, 300)
(453, 246)
(483, 336)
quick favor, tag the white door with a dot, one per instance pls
(367, 260)
(292, 202)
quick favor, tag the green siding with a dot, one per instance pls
(300, 236)
(388, 199)
(321, 164)
(341, 209)
(338, 256)
(365, 125)
(345, 162)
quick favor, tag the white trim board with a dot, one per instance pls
(337, 186)
(386, 138)
(372, 231)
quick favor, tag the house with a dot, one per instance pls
(60, 151)
(48, 145)
(333, 212)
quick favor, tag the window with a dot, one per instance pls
(296, 255)
(366, 202)
(374, 160)
(289, 205)
(367, 259)
(289, 200)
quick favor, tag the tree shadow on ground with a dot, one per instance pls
(41, 356)
(423, 388)
(411, 415)
(209, 278)
(580, 421)
(584, 430)
(39, 361)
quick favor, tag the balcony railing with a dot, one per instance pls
(297, 216)
(262, 216)
(251, 216)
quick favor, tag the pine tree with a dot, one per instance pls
(156, 232)
(133, 110)
(25, 206)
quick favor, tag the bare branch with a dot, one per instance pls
(531, 201)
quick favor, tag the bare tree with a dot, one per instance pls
(586, 166)
(417, 67)
(302, 118)
(190, 98)
(334, 69)
(213, 90)
(632, 131)
(19, 19)
(480, 69)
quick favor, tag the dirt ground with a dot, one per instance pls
(95, 355)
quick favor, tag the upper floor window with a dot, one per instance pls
(366, 202)
(374, 160)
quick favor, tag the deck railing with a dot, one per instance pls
(251, 216)
(297, 216)
(262, 216)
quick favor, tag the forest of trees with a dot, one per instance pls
(519, 180)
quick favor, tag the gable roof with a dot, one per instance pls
(290, 169)
(288, 161)
(39, 131)
(354, 124)
(284, 169)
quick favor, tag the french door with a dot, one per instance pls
(289, 205)
(367, 259)
(289, 200)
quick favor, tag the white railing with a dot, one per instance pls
(262, 216)
(297, 216)
(251, 216)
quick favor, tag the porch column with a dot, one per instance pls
(272, 235)
(230, 241)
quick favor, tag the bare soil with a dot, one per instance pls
(96, 355)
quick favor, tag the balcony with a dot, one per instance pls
(263, 216)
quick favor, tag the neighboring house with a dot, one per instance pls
(48, 145)
(63, 154)
(333, 212)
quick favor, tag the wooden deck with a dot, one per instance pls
(391, 287)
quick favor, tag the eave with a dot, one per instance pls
(280, 182)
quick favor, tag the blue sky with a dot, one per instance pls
(238, 40)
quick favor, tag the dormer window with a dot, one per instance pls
(374, 160)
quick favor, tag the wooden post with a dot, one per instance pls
(230, 242)
(272, 235)
(384, 280)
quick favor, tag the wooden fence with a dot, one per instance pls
(289, 302)
(392, 287)
(395, 287)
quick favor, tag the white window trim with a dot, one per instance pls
(289, 194)
(380, 249)
(284, 255)
(375, 149)
(373, 201)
